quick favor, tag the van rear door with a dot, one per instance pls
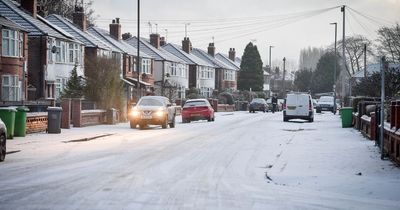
(302, 105)
(291, 104)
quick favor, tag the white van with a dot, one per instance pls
(298, 106)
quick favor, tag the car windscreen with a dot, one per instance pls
(150, 102)
(195, 103)
(258, 100)
(326, 99)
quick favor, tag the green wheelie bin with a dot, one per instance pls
(347, 116)
(20, 121)
(7, 114)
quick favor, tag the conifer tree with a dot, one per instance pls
(74, 87)
(251, 73)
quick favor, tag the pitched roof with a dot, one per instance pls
(188, 57)
(224, 58)
(86, 38)
(121, 45)
(10, 24)
(217, 63)
(36, 26)
(158, 54)
(373, 68)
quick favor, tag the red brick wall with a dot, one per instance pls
(36, 122)
(93, 117)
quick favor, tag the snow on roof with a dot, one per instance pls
(225, 59)
(117, 45)
(158, 54)
(373, 68)
(86, 38)
(190, 58)
(35, 26)
(212, 60)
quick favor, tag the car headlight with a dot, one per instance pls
(160, 113)
(135, 113)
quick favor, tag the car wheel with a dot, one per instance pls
(213, 119)
(142, 126)
(3, 150)
(164, 125)
(311, 119)
(250, 111)
(172, 124)
(285, 119)
(209, 119)
(184, 120)
(318, 110)
(133, 124)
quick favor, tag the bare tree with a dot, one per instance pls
(355, 51)
(389, 43)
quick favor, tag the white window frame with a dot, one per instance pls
(229, 75)
(11, 90)
(14, 40)
(146, 66)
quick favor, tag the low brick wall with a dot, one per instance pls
(226, 108)
(365, 127)
(36, 122)
(93, 117)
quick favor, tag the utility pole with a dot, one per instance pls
(334, 72)
(138, 51)
(384, 66)
(343, 10)
(365, 60)
(270, 67)
(283, 76)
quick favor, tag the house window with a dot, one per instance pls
(173, 69)
(206, 92)
(71, 52)
(181, 92)
(50, 53)
(59, 86)
(229, 75)
(10, 88)
(146, 66)
(58, 51)
(12, 43)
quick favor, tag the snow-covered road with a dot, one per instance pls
(240, 161)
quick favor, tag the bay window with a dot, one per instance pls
(146, 66)
(12, 43)
(10, 88)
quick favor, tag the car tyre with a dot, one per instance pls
(133, 124)
(3, 150)
(142, 126)
(311, 119)
(318, 110)
(164, 125)
(285, 119)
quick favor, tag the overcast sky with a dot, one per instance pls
(289, 25)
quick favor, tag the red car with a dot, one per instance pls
(197, 109)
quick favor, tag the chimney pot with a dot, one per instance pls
(155, 40)
(232, 54)
(115, 29)
(186, 45)
(211, 49)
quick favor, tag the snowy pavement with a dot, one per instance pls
(240, 161)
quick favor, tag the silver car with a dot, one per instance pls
(3, 141)
(153, 110)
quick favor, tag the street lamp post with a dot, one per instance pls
(138, 51)
(270, 67)
(334, 72)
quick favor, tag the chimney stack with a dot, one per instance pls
(30, 6)
(186, 45)
(115, 29)
(162, 41)
(232, 54)
(155, 40)
(79, 17)
(211, 49)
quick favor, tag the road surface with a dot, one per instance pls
(240, 161)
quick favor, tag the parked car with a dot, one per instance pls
(326, 103)
(298, 106)
(153, 110)
(197, 109)
(258, 104)
(3, 141)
